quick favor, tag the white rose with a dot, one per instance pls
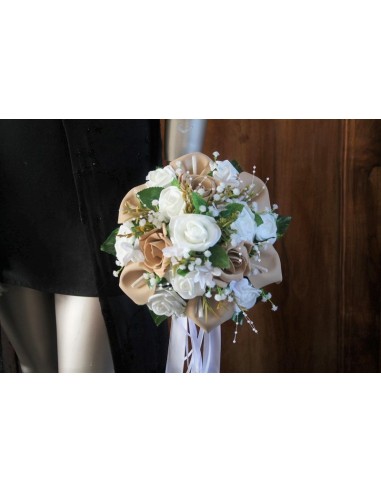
(245, 294)
(171, 202)
(186, 285)
(127, 248)
(194, 232)
(226, 173)
(267, 231)
(244, 226)
(166, 303)
(162, 177)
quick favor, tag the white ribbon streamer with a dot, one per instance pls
(177, 342)
(184, 334)
(212, 350)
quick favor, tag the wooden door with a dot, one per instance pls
(326, 175)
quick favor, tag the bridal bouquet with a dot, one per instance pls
(196, 241)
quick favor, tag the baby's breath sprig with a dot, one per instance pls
(221, 293)
(152, 279)
(116, 273)
(192, 260)
(142, 226)
(266, 297)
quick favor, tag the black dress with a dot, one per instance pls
(61, 183)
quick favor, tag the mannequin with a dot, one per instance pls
(54, 332)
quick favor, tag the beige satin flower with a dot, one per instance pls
(130, 201)
(205, 185)
(239, 262)
(195, 163)
(152, 244)
(258, 190)
(268, 271)
(133, 283)
(216, 314)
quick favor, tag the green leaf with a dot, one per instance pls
(198, 201)
(163, 281)
(219, 257)
(282, 223)
(238, 317)
(181, 272)
(175, 182)
(148, 195)
(109, 245)
(157, 318)
(231, 209)
(236, 165)
(258, 220)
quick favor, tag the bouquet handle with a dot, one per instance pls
(198, 350)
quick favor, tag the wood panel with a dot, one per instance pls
(302, 159)
(326, 174)
(360, 301)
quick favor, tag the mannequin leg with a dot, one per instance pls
(83, 344)
(27, 317)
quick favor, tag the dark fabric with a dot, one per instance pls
(74, 174)
(42, 240)
(138, 345)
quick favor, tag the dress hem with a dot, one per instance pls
(4, 283)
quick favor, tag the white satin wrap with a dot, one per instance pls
(204, 354)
